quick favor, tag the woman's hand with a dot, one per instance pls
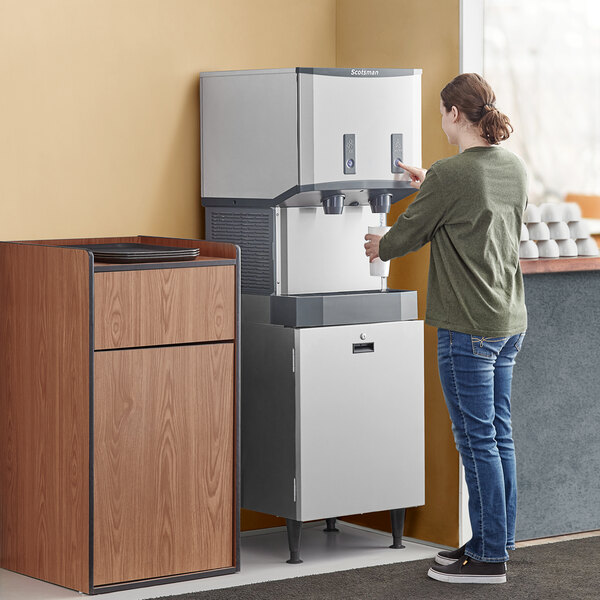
(417, 175)
(372, 246)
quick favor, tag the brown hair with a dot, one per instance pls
(474, 97)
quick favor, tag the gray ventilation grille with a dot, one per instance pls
(252, 231)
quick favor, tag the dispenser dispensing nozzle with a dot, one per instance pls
(381, 203)
(333, 205)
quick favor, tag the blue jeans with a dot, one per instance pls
(476, 374)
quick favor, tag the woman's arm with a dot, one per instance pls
(415, 226)
(417, 176)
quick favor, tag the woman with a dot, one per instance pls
(470, 208)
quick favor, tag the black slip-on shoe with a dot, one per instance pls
(447, 557)
(469, 570)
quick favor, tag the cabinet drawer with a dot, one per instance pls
(164, 306)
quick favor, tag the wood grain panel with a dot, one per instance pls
(164, 306)
(213, 249)
(44, 413)
(80, 241)
(559, 265)
(163, 470)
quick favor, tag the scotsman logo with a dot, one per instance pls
(363, 72)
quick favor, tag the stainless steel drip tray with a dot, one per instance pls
(343, 308)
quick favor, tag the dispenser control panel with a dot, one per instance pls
(349, 154)
(397, 152)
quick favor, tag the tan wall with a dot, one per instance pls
(99, 104)
(99, 126)
(418, 34)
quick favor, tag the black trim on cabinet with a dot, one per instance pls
(118, 587)
(177, 344)
(238, 426)
(91, 421)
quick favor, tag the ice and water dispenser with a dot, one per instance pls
(296, 164)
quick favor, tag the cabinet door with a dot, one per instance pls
(163, 461)
(360, 418)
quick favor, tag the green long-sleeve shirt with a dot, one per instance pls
(470, 207)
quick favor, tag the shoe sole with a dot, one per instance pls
(465, 578)
(442, 560)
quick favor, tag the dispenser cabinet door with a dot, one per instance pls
(360, 419)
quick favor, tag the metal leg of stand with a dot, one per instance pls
(331, 525)
(294, 529)
(397, 526)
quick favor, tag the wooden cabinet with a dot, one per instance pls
(119, 445)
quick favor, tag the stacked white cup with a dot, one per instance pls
(539, 235)
(557, 230)
(579, 230)
(527, 247)
(551, 217)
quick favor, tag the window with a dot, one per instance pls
(542, 57)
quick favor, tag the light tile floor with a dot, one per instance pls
(263, 556)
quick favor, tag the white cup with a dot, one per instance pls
(524, 233)
(579, 230)
(538, 231)
(567, 247)
(587, 247)
(571, 211)
(559, 230)
(548, 249)
(378, 267)
(551, 213)
(532, 214)
(528, 249)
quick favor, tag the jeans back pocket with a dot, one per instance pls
(519, 341)
(487, 346)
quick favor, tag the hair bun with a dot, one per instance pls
(487, 108)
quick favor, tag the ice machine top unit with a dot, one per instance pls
(309, 137)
